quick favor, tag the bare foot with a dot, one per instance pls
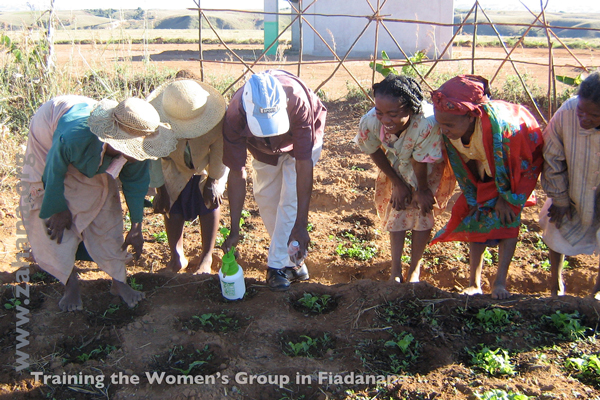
(396, 275)
(500, 293)
(130, 297)
(596, 292)
(201, 267)
(71, 301)
(556, 292)
(177, 263)
(471, 291)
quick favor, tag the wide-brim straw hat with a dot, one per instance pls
(132, 127)
(191, 107)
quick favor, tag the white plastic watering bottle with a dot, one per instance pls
(296, 256)
(233, 286)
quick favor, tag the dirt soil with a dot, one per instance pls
(186, 327)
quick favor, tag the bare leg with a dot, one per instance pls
(557, 285)
(475, 267)
(130, 297)
(397, 246)
(71, 301)
(209, 224)
(506, 250)
(174, 227)
(596, 289)
(419, 241)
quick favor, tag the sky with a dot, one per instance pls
(571, 6)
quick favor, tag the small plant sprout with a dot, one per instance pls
(402, 341)
(223, 233)
(494, 362)
(213, 322)
(488, 258)
(160, 237)
(112, 308)
(190, 367)
(569, 325)
(96, 353)
(586, 368)
(314, 303)
(135, 285)
(500, 394)
(12, 303)
(308, 346)
(493, 319)
(355, 248)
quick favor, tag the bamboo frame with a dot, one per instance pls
(381, 21)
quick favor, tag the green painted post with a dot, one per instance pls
(271, 32)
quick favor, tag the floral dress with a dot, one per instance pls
(423, 142)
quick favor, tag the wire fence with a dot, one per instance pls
(423, 69)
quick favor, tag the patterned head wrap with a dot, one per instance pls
(462, 95)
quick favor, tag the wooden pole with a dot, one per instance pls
(377, 16)
(515, 68)
(200, 52)
(551, 82)
(474, 44)
(449, 43)
(301, 44)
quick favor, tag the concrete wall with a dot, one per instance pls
(341, 32)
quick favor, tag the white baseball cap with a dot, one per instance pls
(265, 103)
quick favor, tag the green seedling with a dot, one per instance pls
(568, 325)
(216, 322)
(539, 244)
(402, 341)
(160, 237)
(493, 319)
(190, 367)
(39, 276)
(307, 347)
(112, 308)
(310, 227)
(494, 362)
(134, 285)
(12, 303)
(357, 168)
(500, 394)
(392, 313)
(224, 232)
(356, 249)
(545, 265)
(585, 368)
(315, 303)
(488, 258)
(96, 353)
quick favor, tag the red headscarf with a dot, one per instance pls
(462, 95)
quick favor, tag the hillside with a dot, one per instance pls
(588, 21)
(188, 19)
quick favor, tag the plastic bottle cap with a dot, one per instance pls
(295, 243)
(230, 265)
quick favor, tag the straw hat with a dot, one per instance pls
(132, 127)
(192, 108)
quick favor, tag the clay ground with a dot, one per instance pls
(185, 327)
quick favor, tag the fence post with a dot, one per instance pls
(474, 44)
(201, 54)
(301, 38)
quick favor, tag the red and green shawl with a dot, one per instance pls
(513, 143)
